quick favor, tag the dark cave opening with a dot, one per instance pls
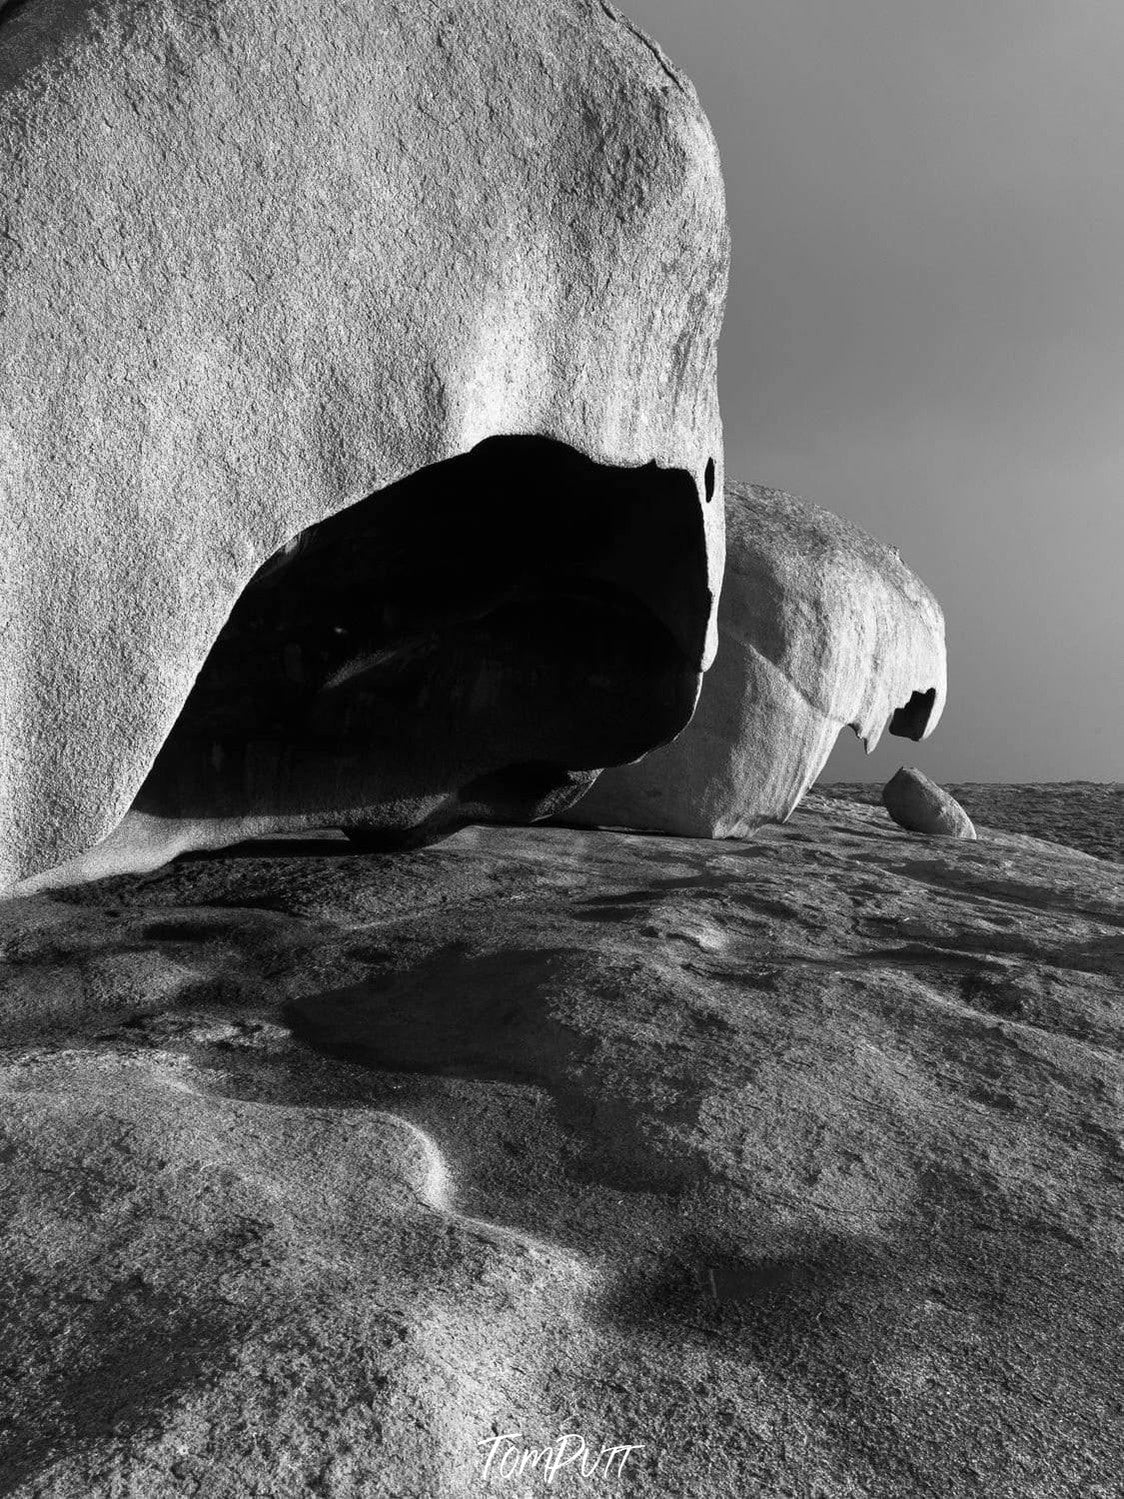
(473, 642)
(911, 720)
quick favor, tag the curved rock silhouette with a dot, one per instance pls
(820, 627)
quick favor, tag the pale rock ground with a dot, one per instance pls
(797, 1161)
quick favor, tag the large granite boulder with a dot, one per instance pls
(921, 806)
(820, 627)
(409, 315)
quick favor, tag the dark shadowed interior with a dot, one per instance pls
(472, 643)
(911, 720)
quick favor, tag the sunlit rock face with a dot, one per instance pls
(820, 627)
(357, 390)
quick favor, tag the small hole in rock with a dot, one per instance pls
(911, 721)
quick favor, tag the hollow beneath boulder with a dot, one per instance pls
(473, 643)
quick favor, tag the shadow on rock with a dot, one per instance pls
(780, 1299)
(505, 1017)
(98, 1368)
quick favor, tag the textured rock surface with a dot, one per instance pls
(919, 804)
(796, 1161)
(820, 627)
(257, 262)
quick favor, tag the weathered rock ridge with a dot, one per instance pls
(260, 264)
(820, 627)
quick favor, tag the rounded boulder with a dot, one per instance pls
(921, 806)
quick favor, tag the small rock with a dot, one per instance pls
(919, 804)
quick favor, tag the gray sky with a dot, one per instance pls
(925, 330)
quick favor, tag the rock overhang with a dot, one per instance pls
(258, 267)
